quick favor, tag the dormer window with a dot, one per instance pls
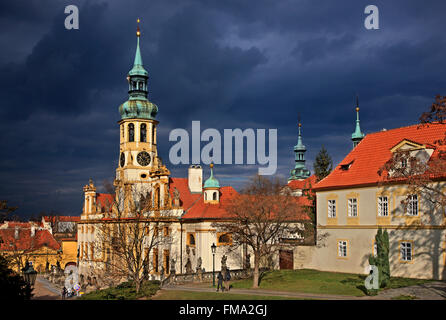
(346, 166)
(403, 163)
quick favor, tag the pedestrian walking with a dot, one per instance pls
(220, 282)
(64, 293)
(227, 279)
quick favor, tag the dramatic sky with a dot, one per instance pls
(228, 63)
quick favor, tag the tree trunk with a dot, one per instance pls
(137, 285)
(255, 278)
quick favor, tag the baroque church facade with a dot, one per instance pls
(184, 209)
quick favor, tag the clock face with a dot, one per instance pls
(143, 158)
(122, 159)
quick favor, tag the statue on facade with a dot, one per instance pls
(188, 266)
(223, 262)
(176, 197)
(199, 270)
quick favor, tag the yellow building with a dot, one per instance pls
(356, 198)
(30, 241)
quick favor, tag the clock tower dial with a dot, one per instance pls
(143, 158)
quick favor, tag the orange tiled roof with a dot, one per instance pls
(62, 218)
(25, 241)
(105, 200)
(303, 184)
(187, 199)
(374, 151)
(201, 210)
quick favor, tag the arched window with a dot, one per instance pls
(157, 197)
(214, 196)
(224, 238)
(143, 133)
(191, 239)
(131, 132)
(153, 133)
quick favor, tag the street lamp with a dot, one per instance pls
(29, 273)
(213, 249)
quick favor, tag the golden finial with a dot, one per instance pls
(211, 165)
(138, 33)
(357, 109)
(300, 124)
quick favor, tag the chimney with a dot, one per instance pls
(16, 233)
(195, 178)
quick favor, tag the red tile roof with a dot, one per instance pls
(25, 241)
(62, 218)
(105, 200)
(374, 151)
(303, 184)
(201, 210)
(187, 199)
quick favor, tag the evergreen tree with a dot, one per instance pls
(12, 285)
(381, 260)
(322, 164)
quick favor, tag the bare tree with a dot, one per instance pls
(130, 233)
(5, 210)
(261, 217)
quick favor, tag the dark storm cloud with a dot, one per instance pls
(229, 64)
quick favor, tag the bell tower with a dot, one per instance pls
(139, 167)
(138, 157)
(300, 172)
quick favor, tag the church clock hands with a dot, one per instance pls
(143, 158)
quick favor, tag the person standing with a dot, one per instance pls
(220, 282)
(64, 293)
(227, 279)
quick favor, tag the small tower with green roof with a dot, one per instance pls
(300, 172)
(211, 188)
(357, 136)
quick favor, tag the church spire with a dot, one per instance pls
(357, 136)
(299, 172)
(138, 69)
(138, 106)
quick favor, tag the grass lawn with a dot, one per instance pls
(191, 295)
(314, 281)
(124, 291)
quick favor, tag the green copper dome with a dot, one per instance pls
(211, 182)
(141, 109)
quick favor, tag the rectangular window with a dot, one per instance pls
(332, 208)
(342, 248)
(406, 250)
(412, 205)
(383, 206)
(352, 207)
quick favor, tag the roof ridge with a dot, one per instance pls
(412, 125)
